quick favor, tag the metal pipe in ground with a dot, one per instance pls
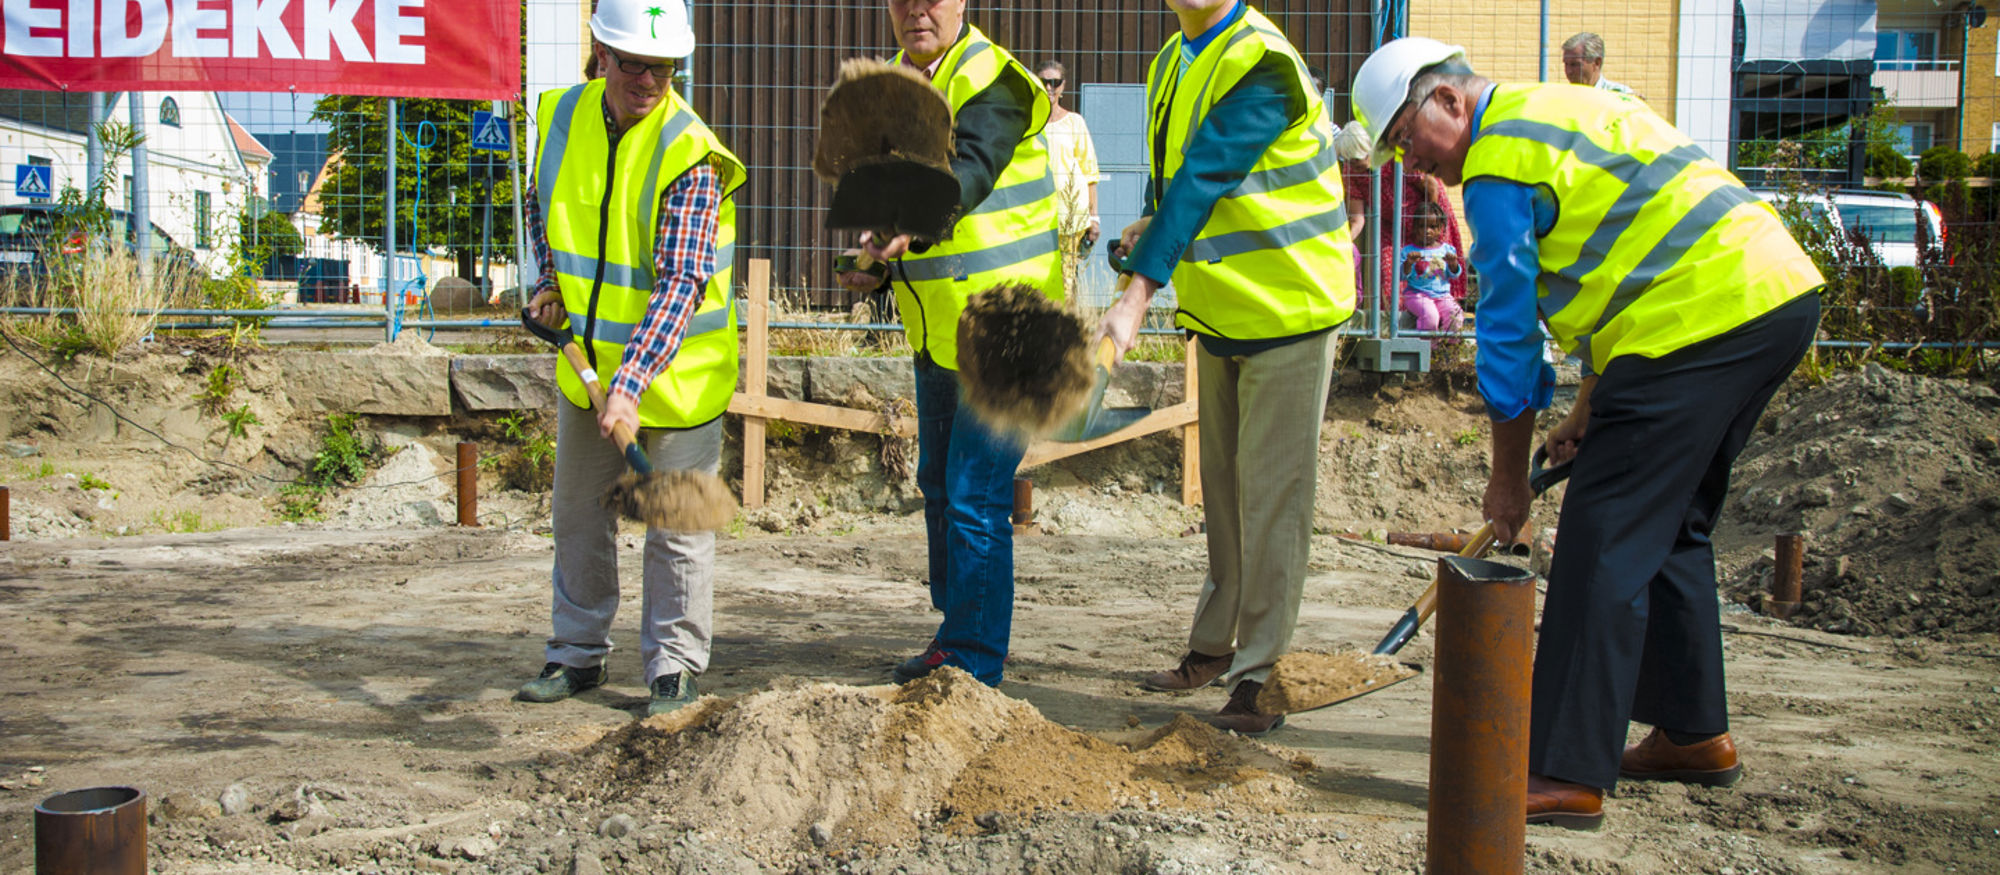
(1479, 718)
(1787, 580)
(468, 483)
(99, 831)
(6, 514)
(1024, 505)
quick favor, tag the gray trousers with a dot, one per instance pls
(1260, 418)
(678, 571)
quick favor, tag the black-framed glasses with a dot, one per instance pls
(633, 67)
(1399, 140)
(1051, 83)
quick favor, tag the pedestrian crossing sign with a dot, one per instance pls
(36, 181)
(491, 132)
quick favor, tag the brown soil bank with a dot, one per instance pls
(1896, 481)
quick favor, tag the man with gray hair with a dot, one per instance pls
(1583, 63)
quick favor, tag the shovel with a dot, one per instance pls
(1539, 481)
(1096, 420)
(679, 500)
(885, 142)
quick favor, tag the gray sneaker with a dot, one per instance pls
(670, 692)
(559, 682)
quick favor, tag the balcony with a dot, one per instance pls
(1918, 84)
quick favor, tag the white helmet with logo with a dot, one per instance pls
(646, 28)
(1382, 85)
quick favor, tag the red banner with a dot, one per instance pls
(464, 49)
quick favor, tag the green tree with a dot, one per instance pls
(438, 196)
(268, 237)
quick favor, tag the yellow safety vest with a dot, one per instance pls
(602, 213)
(1274, 258)
(1655, 246)
(1008, 238)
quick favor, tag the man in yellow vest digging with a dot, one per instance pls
(1244, 214)
(633, 227)
(1689, 304)
(1007, 233)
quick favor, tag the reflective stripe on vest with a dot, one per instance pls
(1010, 236)
(581, 207)
(1655, 246)
(1274, 258)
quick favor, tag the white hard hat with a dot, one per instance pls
(1382, 85)
(647, 28)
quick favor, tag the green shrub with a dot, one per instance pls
(1885, 162)
(1943, 162)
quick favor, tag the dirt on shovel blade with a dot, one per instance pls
(677, 500)
(1303, 679)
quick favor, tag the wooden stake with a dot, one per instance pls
(756, 379)
(1191, 436)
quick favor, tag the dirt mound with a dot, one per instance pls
(1896, 481)
(833, 766)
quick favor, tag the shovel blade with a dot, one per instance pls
(900, 196)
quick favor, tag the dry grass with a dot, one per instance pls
(116, 304)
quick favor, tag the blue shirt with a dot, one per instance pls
(1507, 220)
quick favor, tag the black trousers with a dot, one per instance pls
(1630, 627)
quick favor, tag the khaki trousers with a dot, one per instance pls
(1260, 418)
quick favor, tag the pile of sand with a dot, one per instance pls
(1305, 679)
(1895, 479)
(833, 766)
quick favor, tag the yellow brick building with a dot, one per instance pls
(1503, 38)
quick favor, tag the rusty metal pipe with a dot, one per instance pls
(99, 831)
(468, 484)
(1787, 579)
(1479, 718)
(6, 514)
(1024, 501)
(1456, 542)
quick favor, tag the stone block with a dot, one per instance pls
(504, 382)
(832, 380)
(405, 378)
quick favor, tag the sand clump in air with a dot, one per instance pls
(1306, 679)
(873, 765)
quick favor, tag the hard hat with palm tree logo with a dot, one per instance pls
(648, 28)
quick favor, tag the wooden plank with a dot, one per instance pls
(1191, 436)
(1044, 452)
(755, 375)
(760, 408)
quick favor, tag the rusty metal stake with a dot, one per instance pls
(6, 514)
(1024, 506)
(468, 484)
(1787, 580)
(99, 831)
(1455, 542)
(1479, 718)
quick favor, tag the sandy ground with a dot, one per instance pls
(338, 697)
(375, 669)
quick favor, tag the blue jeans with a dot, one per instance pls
(966, 473)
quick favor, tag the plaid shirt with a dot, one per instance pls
(683, 260)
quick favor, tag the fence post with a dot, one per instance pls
(755, 378)
(389, 293)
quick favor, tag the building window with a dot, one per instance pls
(130, 199)
(201, 220)
(170, 112)
(1913, 138)
(1907, 50)
(1995, 145)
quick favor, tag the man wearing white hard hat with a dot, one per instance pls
(1244, 215)
(1689, 304)
(633, 227)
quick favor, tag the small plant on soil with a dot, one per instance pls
(344, 456)
(216, 390)
(92, 481)
(1466, 438)
(181, 522)
(240, 420)
(528, 463)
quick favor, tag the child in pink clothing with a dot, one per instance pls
(1428, 267)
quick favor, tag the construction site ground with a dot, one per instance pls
(337, 696)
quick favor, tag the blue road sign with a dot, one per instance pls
(35, 181)
(491, 132)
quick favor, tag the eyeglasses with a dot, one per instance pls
(1405, 117)
(1052, 83)
(633, 67)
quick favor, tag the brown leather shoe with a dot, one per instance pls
(1195, 671)
(1710, 763)
(1240, 714)
(1561, 803)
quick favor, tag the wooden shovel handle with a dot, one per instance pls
(619, 432)
(1481, 542)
